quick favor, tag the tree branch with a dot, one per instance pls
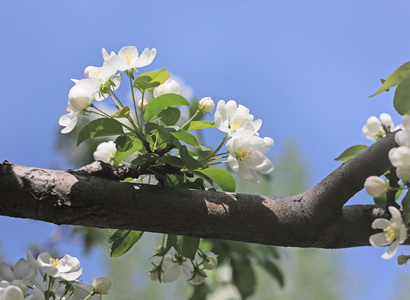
(91, 197)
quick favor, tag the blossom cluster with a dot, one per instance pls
(99, 82)
(47, 278)
(246, 150)
(168, 269)
(394, 230)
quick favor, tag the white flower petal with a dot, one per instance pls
(379, 240)
(392, 250)
(380, 223)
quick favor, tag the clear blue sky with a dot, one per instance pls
(304, 67)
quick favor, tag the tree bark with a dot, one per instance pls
(93, 196)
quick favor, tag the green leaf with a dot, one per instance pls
(395, 78)
(99, 127)
(120, 241)
(190, 162)
(151, 79)
(350, 152)
(173, 180)
(126, 145)
(274, 271)
(194, 125)
(243, 276)
(184, 245)
(223, 178)
(122, 113)
(172, 160)
(170, 116)
(401, 99)
(158, 104)
(143, 158)
(186, 137)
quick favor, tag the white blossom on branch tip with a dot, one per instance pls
(128, 58)
(373, 129)
(247, 155)
(105, 152)
(230, 117)
(394, 233)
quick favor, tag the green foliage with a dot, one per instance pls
(195, 125)
(98, 128)
(401, 99)
(350, 152)
(151, 79)
(184, 245)
(394, 79)
(120, 241)
(158, 104)
(122, 113)
(223, 178)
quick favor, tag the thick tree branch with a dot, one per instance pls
(90, 197)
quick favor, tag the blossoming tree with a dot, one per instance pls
(155, 175)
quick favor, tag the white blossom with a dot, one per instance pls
(105, 152)
(172, 265)
(128, 58)
(403, 137)
(103, 74)
(400, 157)
(373, 129)
(231, 118)
(11, 292)
(168, 87)
(394, 233)
(247, 155)
(375, 186)
(67, 268)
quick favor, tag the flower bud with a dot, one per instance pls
(101, 285)
(210, 261)
(402, 259)
(142, 104)
(79, 98)
(375, 186)
(198, 277)
(154, 273)
(386, 120)
(206, 104)
(400, 157)
(403, 173)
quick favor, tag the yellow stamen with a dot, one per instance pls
(244, 154)
(55, 262)
(68, 109)
(128, 57)
(390, 234)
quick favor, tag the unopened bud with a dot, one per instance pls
(206, 104)
(142, 104)
(375, 186)
(101, 285)
(198, 277)
(79, 98)
(210, 261)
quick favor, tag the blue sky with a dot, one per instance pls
(305, 68)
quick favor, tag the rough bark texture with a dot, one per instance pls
(93, 196)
